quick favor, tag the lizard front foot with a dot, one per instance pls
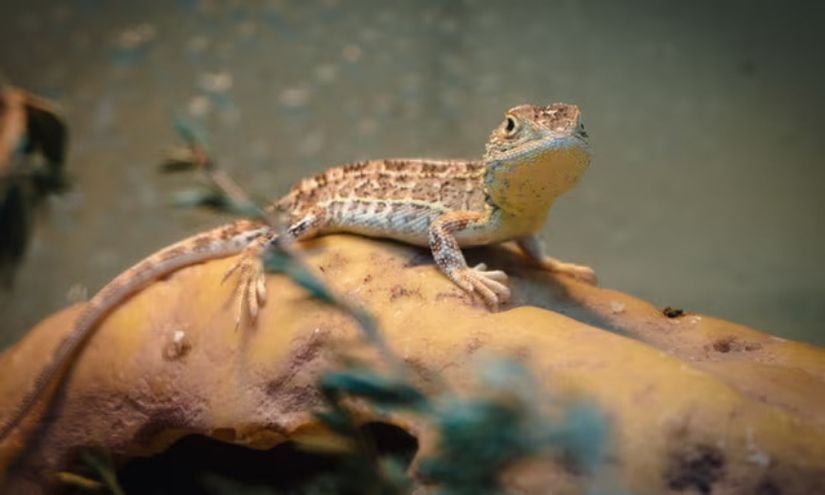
(250, 288)
(487, 284)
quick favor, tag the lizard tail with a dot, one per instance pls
(218, 243)
(60, 359)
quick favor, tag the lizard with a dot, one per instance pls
(536, 154)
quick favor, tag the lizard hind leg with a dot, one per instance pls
(250, 286)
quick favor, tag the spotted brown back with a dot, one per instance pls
(387, 198)
(449, 184)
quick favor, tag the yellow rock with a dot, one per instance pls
(694, 403)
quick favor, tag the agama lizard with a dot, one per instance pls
(536, 154)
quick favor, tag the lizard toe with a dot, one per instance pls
(251, 293)
(501, 292)
(585, 274)
(228, 273)
(493, 279)
(487, 284)
(494, 275)
(250, 288)
(581, 273)
(261, 287)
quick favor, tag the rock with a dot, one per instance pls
(695, 404)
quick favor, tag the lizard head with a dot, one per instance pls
(534, 155)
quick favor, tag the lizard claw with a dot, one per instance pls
(488, 284)
(250, 288)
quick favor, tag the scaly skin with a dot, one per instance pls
(535, 155)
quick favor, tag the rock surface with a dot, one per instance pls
(695, 404)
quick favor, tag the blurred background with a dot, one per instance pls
(706, 120)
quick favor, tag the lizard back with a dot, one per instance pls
(400, 197)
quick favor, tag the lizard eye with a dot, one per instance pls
(510, 126)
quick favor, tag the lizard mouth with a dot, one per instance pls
(580, 138)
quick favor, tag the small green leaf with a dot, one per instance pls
(193, 197)
(374, 387)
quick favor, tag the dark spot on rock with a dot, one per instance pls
(294, 386)
(367, 278)
(335, 261)
(696, 467)
(767, 487)
(458, 294)
(723, 344)
(730, 343)
(474, 344)
(671, 312)
(400, 291)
